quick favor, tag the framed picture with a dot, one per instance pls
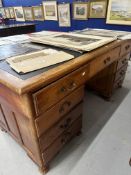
(2, 12)
(7, 13)
(119, 12)
(12, 13)
(64, 15)
(80, 10)
(50, 10)
(98, 8)
(38, 13)
(1, 5)
(19, 14)
(28, 13)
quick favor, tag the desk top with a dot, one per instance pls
(44, 78)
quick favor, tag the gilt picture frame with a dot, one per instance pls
(119, 12)
(50, 10)
(2, 12)
(12, 13)
(1, 4)
(98, 8)
(64, 15)
(80, 10)
(38, 13)
(19, 14)
(28, 13)
(7, 13)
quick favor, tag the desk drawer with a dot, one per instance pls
(124, 60)
(125, 48)
(121, 72)
(50, 152)
(54, 132)
(48, 119)
(118, 83)
(103, 61)
(50, 95)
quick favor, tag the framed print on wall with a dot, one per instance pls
(28, 13)
(1, 5)
(38, 13)
(7, 13)
(19, 14)
(50, 10)
(98, 8)
(119, 12)
(2, 12)
(12, 13)
(64, 15)
(80, 10)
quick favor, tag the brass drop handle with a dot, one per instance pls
(72, 86)
(66, 137)
(66, 125)
(108, 59)
(127, 47)
(119, 83)
(62, 108)
(122, 72)
(124, 61)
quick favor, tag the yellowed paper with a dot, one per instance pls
(34, 61)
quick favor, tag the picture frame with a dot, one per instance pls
(64, 15)
(98, 8)
(28, 13)
(12, 13)
(38, 13)
(1, 4)
(2, 12)
(80, 10)
(119, 12)
(50, 10)
(19, 14)
(7, 13)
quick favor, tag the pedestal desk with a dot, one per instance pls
(44, 112)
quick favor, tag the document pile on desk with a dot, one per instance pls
(73, 41)
(105, 33)
(10, 50)
(37, 60)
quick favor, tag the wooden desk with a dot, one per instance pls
(16, 29)
(44, 112)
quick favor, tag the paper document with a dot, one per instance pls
(73, 41)
(34, 61)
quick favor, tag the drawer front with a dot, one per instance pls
(48, 119)
(50, 153)
(123, 61)
(118, 83)
(125, 48)
(103, 61)
(54, 132)
(53, 93)
(121, 72)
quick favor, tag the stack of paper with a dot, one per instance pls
(37, 60)
(105, 33)
(73, 41)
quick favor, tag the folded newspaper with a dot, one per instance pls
(37, 60)
(73, 41)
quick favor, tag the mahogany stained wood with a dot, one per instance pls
(33, 110)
